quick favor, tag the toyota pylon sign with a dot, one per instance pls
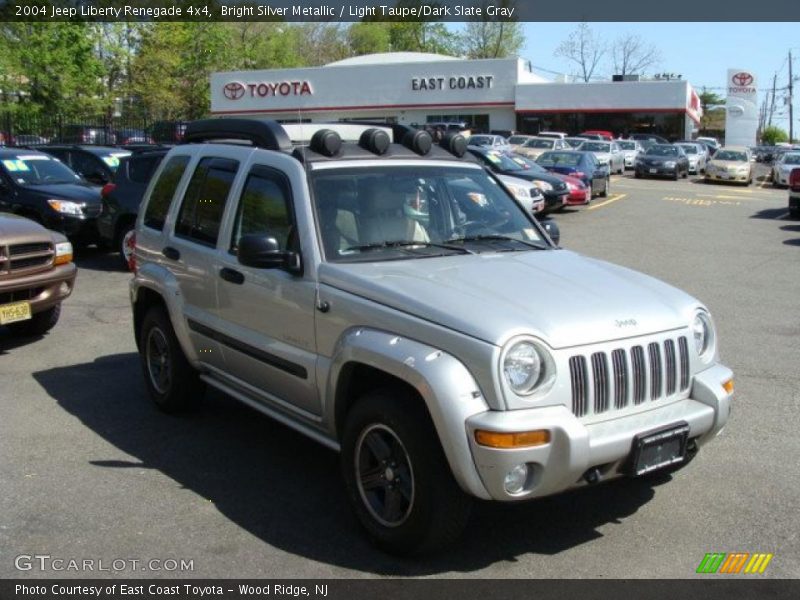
(741, 108)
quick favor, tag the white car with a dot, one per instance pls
(697, 153)
(526, 193)
(630, 150)
(607, 153)
(557, 135)
(515, 141)
(782, 168)
(495, 142)
(539, 145)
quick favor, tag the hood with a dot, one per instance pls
(571, 180)
(76, 192)
(19, 230)
(557, 295)
(603, 157)
(531, 175)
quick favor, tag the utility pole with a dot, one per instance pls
(791, 111)
(772, 101)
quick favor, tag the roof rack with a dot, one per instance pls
(264, 133)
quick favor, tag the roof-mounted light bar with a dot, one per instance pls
(454, 143)
(375, 140)
(326, 142)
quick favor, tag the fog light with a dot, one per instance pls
(515, 479)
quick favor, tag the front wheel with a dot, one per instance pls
(398, 480)
(172, 383)
(604, 193)
(125, 245)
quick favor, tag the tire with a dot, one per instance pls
(122, 245)
(686, 174)
(173, 385)
(676, 174)
(410, 504)
(637, 175)
(604, 193)
(39, 323)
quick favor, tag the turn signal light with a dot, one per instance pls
(522, 439)
(728, 385)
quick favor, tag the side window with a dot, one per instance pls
(264, 207)
(204, 203)
(140, 168)
(163, 191)
(84, 165)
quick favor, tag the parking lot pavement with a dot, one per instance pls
(89, 469)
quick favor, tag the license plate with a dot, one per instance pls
(653, 170)
(659, 449)
(18, 311)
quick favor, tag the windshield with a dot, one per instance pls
(536, 143)
(518, 139)
(38, 169)
(596, 147)
(660, 150)
(481, 140)
(627, 145)
(574, 142)
(500, 161)
(689, 148)
(560, 159)
(791, 159)
(399, 213)
(730, 155)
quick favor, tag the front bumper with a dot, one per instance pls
(656, 171)
(728, 177)
(780, 178)
(794, 202)
(575, 447)
(554, 200)
(75, 228)
(43, 290)
(577, 197)
(630, 161)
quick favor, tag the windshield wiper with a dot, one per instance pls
(497, 238)
(406, 243)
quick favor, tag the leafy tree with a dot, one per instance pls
(633, 56)
(771, 135)
(322, 43)
(583, 48)
(492, 39)
(52, 65)
(424, 36)
(264, 45)
(368, 37)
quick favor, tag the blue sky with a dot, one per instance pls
(701, 52)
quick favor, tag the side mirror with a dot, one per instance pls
(551, 227)
(263, 252)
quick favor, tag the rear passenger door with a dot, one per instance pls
(190, 250)
(269, 342)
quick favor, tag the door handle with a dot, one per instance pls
(171, 253)
(231, 275)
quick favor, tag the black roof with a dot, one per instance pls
(92, 149)
(12, 151)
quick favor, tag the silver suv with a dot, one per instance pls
(389, 298)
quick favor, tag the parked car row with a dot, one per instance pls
(166, 132)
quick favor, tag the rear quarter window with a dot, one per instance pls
(164, 189)
(140, 168)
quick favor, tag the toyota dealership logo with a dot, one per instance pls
(742, 79)
(233, 90)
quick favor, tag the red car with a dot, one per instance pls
(607, 135)
(578, 192)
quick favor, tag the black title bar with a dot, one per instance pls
(400, 10)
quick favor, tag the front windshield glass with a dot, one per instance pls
(791, 159)
(518, 139)
(596, 147)
(480, 140)
(559, 159)
(627, 145)
(38, 169)
(574, 142)
(662, 151)
(730, 155)
(536, 143)
(689, 148)
(400, 213)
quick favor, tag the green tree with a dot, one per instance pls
(52, 66)
(708, 101)
(368, 37)
(492, 39)
(170, 74)
(264, 45)
(772, 135)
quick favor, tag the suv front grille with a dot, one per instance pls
(25, 258)
(613, 381)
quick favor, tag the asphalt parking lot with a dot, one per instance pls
(90, 470)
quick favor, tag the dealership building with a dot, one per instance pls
(501, 95)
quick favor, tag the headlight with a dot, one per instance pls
(63, 253)
(543, 185)
(518, 190)
(703, 332)
(670, 164)
(527, 367)
(65, 207)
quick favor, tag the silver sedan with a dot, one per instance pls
(782, 168)
(697, 155)
(607, 153)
